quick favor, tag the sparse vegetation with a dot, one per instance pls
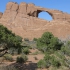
(56, 52)
(26, 51)
(12, 67)
(8, 57)
(21, 59)
(41, 64)
(54, 49)
(35, 53)
(8, 40)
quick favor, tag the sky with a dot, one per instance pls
(62, 5)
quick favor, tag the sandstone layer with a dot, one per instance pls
(23, 20)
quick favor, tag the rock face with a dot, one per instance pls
(1, 14)
(23, 20)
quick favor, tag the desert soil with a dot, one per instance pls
(31, 63)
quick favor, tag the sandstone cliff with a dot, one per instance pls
(23, 20)
(1, 14)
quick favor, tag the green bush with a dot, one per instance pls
(8, 39)
(66, 48)
(47, 59)
(8, 57)
(46, 62)
(55, 62)
(60, 54)
(68, 63)
(51, 60)
(21, 59)
(55, 43)
(26, 51)
(35, 53)
(48, 43)
(35, 39)
(13, 51)
(41, 64)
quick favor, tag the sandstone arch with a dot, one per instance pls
(46, 15)
(23, 20)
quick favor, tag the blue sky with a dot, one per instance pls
(63, 5)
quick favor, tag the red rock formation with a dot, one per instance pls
(23, 20)
(1, 14)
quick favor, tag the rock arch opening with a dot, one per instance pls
(44, 15)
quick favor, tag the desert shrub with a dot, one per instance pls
(51, 60)
(68, 63)
(41, 64)
(61, 57)
(13, 51)
(21, 59)
(29, 44)
(60, 54)
(46, 62)
(19, 50)
(35, 39)
(8, 39)
(48, 43)
(26, 51)
(56, 52)
(25, 44)
(55, 43)
(66, 48)
(55, 62)
(33, 45)
(47, 59)
(35, 53)
(8, 57)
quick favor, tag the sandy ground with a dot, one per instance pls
(31, 63)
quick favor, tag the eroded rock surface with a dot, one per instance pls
(23, 20)
(1, 15)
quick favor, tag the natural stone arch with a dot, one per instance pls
(44, 15)
(47, 13)
(23, 20)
